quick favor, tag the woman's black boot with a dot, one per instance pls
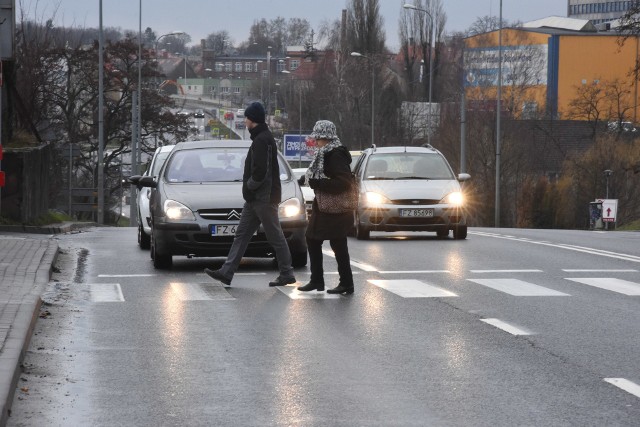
(312, 286)
(341, 289)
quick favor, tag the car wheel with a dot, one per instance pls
(442, 233)
(362, 233)
(161, 261)
(144, 240)
(298, 259)
(460, 232)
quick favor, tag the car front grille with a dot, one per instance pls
(415, 202)
(415, 221)
(226, 214)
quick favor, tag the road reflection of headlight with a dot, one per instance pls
(456, 199)
(289, 208)
(375, 199)
(176, 210)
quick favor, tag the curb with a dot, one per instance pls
(64, 227)
(17, 343)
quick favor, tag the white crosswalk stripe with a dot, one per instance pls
(105, 292)
(412, 288)
(200, 291)
(517, 287)
(293, 293)
(513, 330)
(611, 284)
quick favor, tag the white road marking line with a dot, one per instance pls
(127, 275)
(413, 271)
(596, 270)
(506, 327)
(237, 274)
(507, 271)
(196, 292)
(293, 293)
(308, 273)
(106, 292)
(412, 288)
(610, 284)
(356, 264)
(626, 385)
(584, 249)
(517, 287)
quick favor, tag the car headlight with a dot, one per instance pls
(289, 208)
(176, 210)
(375, 199)
(456, 199)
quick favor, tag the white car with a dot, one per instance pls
(307, 192)
(409, 189)
(144, 216)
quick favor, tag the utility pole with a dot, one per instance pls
(101, 121)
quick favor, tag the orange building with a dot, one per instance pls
(546, 70)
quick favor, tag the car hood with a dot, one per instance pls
(215, 195)
(412, 189)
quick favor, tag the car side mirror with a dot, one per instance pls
(143, 181)
(462, 177)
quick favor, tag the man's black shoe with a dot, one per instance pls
(282, 281)
(216, 275)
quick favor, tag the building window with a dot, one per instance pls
(224, 89)
(219, 66)
(294, 64)
(227, 67)
(238, 67)
(236, 89)
(281, 66)
(264, 74)
(248, 67)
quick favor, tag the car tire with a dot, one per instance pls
(460, 232)
(144, 240)
(161, 261)
(298, 259)
(442, 233)
(362, 233)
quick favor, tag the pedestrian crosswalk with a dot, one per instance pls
(425, 284)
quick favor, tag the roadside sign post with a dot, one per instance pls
(609, 211)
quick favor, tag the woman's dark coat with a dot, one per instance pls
(323, 226)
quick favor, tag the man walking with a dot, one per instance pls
(261, 190)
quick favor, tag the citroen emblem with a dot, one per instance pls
(233, 215)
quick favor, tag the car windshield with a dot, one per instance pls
(392, 166)
(214, 164)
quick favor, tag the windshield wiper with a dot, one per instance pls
(412, 177)
(379, 178)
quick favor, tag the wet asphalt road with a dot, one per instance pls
(520, 332)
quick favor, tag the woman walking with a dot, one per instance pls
(329, 172)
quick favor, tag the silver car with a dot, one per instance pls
(144, 216)
(408, 189)
(196, 203)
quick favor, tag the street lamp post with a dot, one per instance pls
(269, 77)
(261, 81)
(432, 51)
(607, 174)
(373, 98)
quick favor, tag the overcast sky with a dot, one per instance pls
(198, 18)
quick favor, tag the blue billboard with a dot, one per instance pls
(298, 147)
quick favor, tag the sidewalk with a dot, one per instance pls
(25, 268)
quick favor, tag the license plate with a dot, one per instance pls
(425, 213)
(223, 229)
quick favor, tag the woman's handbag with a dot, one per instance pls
(344, 202)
